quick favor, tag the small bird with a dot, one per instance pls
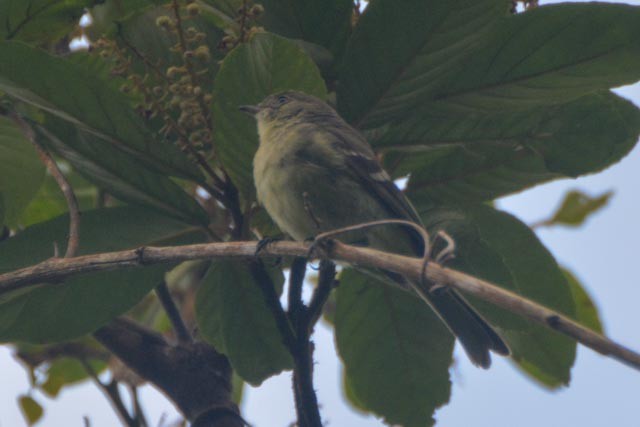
(314, 173)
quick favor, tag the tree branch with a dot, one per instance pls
(55, 269)
(305, 394)
(194, 376)
(168, 304)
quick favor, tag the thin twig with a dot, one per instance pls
(113, 394)
(61, 180)
(138, 411)
(232, 202)
(259, 273)
(164, 295)
(55, 269)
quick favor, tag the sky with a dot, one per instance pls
(601, 253)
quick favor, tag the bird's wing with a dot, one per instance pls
(361, 162)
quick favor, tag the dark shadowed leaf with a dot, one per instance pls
(62, 311)
(75, 94)
(549, 55)
(119, 173)
(586, 310)
(254, 70)
(323, 22)
(473, 56)
(40, 21)
(22, 172)
(233, 316)
(401, 51)
(395, 350)
(495, 246)
(484, 156)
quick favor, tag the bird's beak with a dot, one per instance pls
(252, 110)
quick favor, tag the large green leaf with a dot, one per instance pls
(324, 22)
(61, 311)
(233, 316)
(473, 56)
(586, 310)
(395, 349)
(49, 202)
(484, 156)
(254, 70)
(74, 93)
(40, 21)
(497, 247)
(119, 173)
(549, 55)
(22, 172)
(401, 51)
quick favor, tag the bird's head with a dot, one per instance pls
(286, 108)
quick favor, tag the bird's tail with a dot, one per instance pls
(475, 334)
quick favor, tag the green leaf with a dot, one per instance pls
(549, 55)
(323, 22)
(75, 94)
(49, 202)
(237, 388)
(401, 52)
(40, 21)
(31, 409)
(497, 247)
(252, 71)
(67, 371)
(483, 156)
(576, 207)
(473, 56)
(395, 350)
(119, 173)
(106, 14)
(586, 310)
(60, 311)
(233, 316)
(22, 172)
(350, 395)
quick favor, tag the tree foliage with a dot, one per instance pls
(466, 99)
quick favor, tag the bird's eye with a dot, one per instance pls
(282, 100)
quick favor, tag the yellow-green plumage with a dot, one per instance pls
(314, 173)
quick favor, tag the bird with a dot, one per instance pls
(313, 173)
